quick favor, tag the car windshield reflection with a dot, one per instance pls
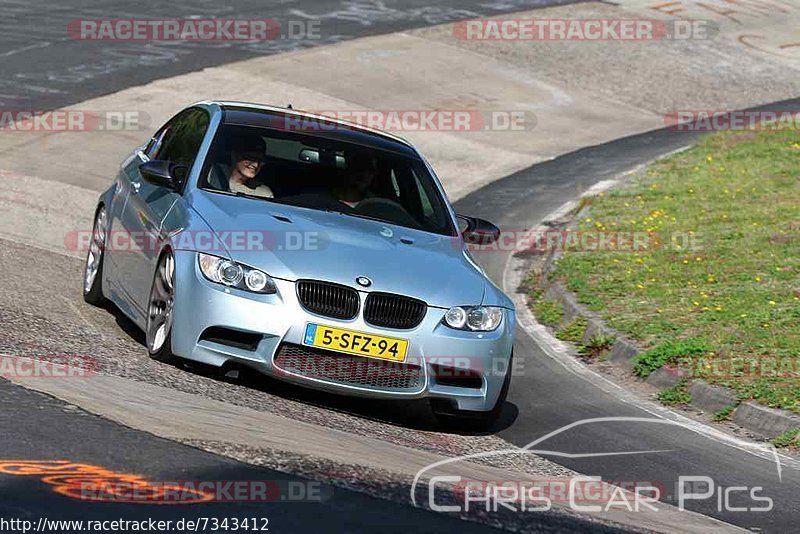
(323, 174)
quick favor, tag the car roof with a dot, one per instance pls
(248, 114)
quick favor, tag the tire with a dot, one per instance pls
(450, 417)
(95, 256)
(160, 310)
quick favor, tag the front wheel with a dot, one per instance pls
(93, 271)
(160, 310)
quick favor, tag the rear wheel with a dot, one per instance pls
(93, 271)
(160, 310)
(451, 417)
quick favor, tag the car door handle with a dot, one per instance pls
(135, 186)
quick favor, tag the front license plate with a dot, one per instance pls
(352, 342)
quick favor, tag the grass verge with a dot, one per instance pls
(787, 439)
(679, 394)
(710, 279)
(574, 331)
(548, 311)
(597, 347)
(724, 414)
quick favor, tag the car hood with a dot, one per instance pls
(294, 243)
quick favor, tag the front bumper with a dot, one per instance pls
(279, 321)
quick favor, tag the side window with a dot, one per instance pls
(180, 140)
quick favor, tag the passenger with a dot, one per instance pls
(248, 159)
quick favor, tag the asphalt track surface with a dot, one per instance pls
(44, 68)
(48, 429)
(547, 397)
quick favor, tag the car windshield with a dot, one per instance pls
(319, 173)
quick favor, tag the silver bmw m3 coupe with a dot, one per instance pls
(312, 250)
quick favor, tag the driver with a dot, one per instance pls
(248, 159)
(355, 184)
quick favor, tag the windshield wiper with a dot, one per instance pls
(355, 214)
(368, 217)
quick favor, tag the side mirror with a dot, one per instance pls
(477, 231)
(163, 173)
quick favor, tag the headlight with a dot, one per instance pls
(234, 274)
(475, 318)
